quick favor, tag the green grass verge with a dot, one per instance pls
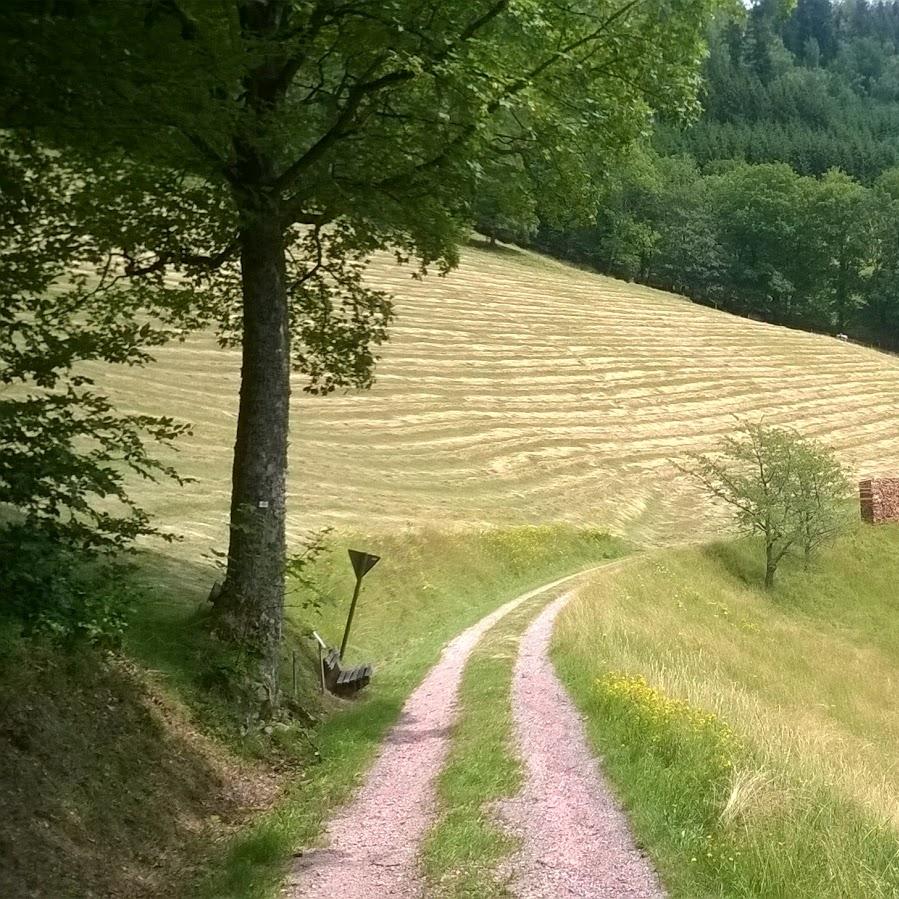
(750, 735)
(428, 587)
(461, 852)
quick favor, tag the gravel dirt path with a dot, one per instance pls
(576, 841)
(372, 844)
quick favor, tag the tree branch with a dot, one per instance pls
(181, 257)
(514, 88)
(209, 153)
(354, 100)
(477, 24)
(359, 92)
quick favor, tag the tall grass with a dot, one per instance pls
(804, 800)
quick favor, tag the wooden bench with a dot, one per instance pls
(344, 681)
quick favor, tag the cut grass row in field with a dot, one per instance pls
(428, 587)
(519, 390)
(751, 736)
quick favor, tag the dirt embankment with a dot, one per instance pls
(106, 788)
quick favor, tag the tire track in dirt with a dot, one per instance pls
(372, 844)
(575, 839)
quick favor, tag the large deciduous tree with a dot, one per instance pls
(267, 147)
(841, 217)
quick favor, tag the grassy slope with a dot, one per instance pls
(128, 783)
(518, 390)
(802, 800)
(106, 788)
(515, 390)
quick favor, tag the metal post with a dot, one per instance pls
(349, 620)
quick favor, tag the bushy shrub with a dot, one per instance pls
(56, 592)
(65, 451)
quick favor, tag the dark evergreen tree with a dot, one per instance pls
(812, 21)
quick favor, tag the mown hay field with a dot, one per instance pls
(520, 390)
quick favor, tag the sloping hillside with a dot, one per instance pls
(751, 734)
(521, 390)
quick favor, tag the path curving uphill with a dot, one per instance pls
(575, 839)
(372, 844)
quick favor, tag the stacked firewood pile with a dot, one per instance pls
(879, 500)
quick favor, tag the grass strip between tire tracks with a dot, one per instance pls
(463, 851)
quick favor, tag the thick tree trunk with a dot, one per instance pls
(250, 609)
(842, 299)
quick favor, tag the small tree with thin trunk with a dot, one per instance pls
(782, 487)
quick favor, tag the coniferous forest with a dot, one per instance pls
(781, 200)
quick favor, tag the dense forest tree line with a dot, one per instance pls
(817, 89)
(782, 201)
(757, 240)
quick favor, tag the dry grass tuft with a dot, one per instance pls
(753, 793)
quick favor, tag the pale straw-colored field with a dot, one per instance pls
(520, 390)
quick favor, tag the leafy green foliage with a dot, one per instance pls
(64, 451)
(776, 203)
(815, 89)
(506, 207)
(51, 590)
(240, 161)
(384, 123)
(758, 240)
(823, 485)
(781, 486)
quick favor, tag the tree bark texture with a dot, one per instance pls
(251, 606)
(770, 567)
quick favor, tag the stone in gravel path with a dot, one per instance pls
(373, 843)
(576, 841)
